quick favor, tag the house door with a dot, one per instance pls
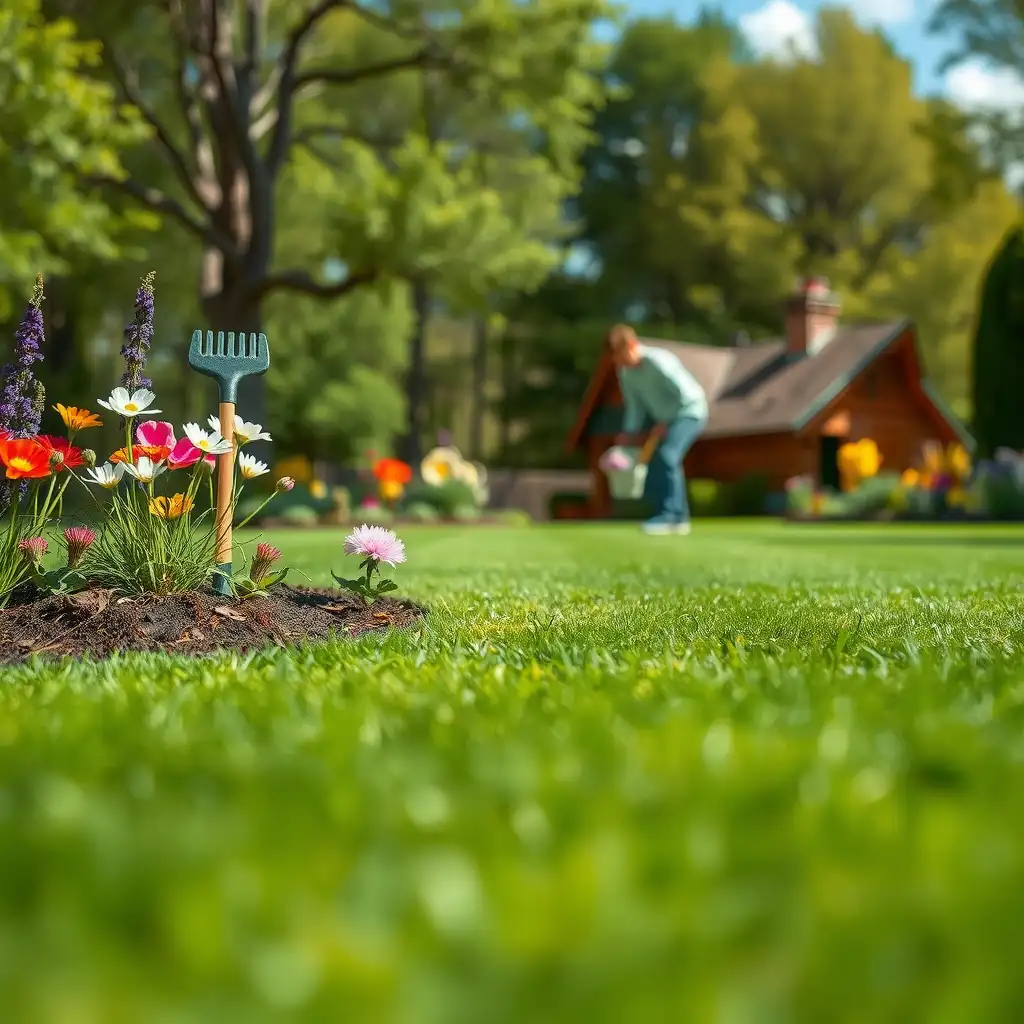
(828, 466)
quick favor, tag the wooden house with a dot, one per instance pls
(783, 407)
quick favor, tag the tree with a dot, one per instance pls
(642, 161)
(57, 124)
(843, 164)
(249, 78)
(998, 363)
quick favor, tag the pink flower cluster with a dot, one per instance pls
(616, 460)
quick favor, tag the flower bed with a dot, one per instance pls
(148, 573)
(943, 488)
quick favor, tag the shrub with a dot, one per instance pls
(746, 496)
(421, 512)
(873, 495)
(373, 514)
(514, 517)
(300, 515)
(445, 497)
(466, 514)
(1000, 494)
(705, 497)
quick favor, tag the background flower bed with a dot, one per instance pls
(944, 487)
(445, 488)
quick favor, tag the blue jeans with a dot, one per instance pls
(665, 489)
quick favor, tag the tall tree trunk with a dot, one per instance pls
(411, 446)
(508, 383)
(228, 306)
(479, 408)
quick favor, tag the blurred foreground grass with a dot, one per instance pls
(761, 774)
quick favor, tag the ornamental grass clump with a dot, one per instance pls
(153, 495)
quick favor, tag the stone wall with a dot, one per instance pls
(530, 490)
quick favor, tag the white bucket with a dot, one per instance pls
(627, 484)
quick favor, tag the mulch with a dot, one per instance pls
(98, 623)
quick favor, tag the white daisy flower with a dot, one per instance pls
(145, 470)
(250, 467)
(108, 475)
(129, 405)
(245, 432)
(209, 442)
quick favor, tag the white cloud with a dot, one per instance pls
(778, 30)
(780, 27)
(975, 86)
(881, 12)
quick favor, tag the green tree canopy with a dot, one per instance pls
(57, 124)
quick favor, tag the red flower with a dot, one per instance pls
(71, 457)
(25, 458)
(392, 471)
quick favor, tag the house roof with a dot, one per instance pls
(761, 388)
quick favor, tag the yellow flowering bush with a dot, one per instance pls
(858, 461)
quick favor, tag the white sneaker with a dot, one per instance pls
(657, 527)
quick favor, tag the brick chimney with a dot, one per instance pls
(812, 316)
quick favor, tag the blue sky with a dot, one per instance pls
(768, 23)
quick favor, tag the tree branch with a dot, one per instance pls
(160, 202)
(281, 139)
(188, 101)
(128, 83)
(423, 58)
(302, 282)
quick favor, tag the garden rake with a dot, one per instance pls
(227, 367)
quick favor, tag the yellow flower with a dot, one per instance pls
(441, 464)
(171, 508)
(391, 490)
(958, 462)
(298, 467)
(318, 489)
(932, 459)
(956, 497)
(910, 478)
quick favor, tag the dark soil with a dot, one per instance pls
(97, 623)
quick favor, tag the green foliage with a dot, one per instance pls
(1001, 494)
(465, 513)
(373, 514)
(745, 497)
(705, 497)
(355, 351)
(998, 356)
(871, 496)
(520, 806)
(60, 127)
(513, 518)
(444, 498)
(421, 511)
(299, 515)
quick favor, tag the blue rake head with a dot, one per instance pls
(227, 362)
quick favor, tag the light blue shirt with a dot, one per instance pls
(660, 387)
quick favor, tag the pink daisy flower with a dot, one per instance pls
(375, 542)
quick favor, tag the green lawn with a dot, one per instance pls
(761, 775)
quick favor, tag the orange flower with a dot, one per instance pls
(25, 458)
(171, 508)
(392, 471)
(77, 419)
(155, 453)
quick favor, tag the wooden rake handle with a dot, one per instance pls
(647, 452)
(225, 484)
